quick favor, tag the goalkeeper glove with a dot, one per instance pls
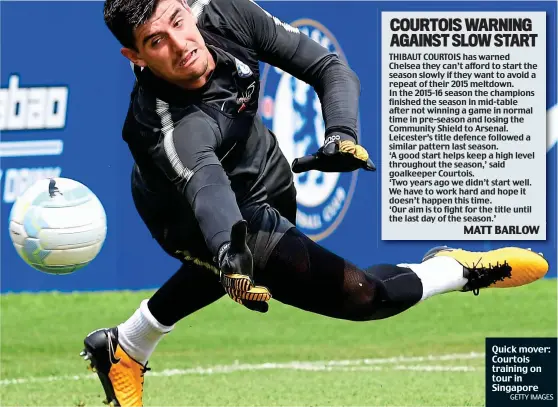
(236, 271)
(340, 153)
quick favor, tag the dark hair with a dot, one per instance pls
(122, 17)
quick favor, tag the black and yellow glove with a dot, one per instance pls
(236, 271)
(340, 153)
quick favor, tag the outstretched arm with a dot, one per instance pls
(186, 155)
(285, 47)
(336, 85)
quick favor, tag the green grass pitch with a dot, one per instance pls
(225, 355)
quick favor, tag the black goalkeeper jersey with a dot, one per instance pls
(207, 151)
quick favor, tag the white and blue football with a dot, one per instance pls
(58, 225)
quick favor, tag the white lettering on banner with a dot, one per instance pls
(31, 148)
(17, 180)
(32, 108)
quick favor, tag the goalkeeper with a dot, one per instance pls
(216, 192)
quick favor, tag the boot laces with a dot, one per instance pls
(143, 370)
(481, 276)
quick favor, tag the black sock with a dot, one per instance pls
(190, 289)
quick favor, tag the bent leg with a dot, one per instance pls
(301, 273)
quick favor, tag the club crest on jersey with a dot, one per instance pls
(243, 70)
(292, 110)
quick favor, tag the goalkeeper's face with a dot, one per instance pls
(171, 46)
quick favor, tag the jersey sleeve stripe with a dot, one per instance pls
(167, 128)
(198, 6)
(278, 22)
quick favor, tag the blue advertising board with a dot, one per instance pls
(67, 88)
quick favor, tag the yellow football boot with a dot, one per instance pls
(121, 376)
(500, 268)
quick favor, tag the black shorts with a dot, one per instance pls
(172, 224)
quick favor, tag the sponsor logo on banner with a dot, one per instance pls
(292, 110)
(26, 113)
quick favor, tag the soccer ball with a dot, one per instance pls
(58, 225)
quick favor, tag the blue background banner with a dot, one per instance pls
(73, 50)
